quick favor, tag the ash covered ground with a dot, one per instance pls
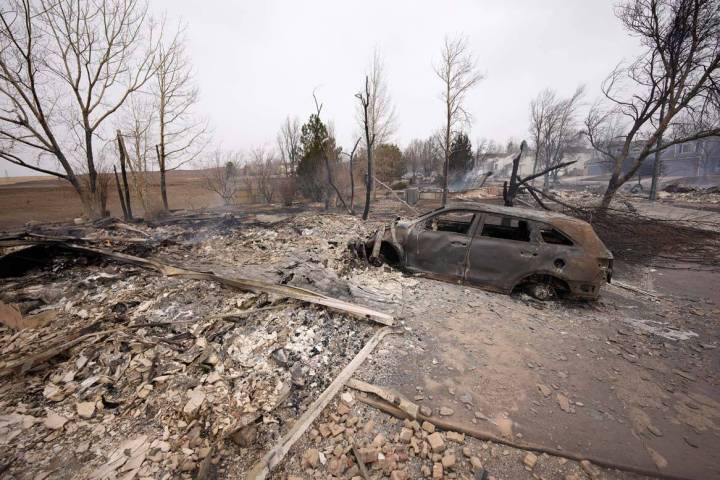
(131, 374)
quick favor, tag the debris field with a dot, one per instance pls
(114, 368)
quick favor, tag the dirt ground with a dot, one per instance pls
(46, 199)
(630, 380)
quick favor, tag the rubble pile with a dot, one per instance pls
(349, 440)
(691, 195)
(135, 375)
(354, 441)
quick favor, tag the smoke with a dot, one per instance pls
(463, 181)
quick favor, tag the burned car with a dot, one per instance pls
(497, 248)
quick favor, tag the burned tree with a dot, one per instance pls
(674, 78)
(512, 188)
(181, 135)
(458, 72)
(351, 159)
(66, 67)
(376, 118)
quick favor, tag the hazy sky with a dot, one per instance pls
(258, 61)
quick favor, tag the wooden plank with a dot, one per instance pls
(272, 458)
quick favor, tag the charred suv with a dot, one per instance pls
(498, 248)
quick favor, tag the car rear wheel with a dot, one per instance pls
(541, 291)
(388, 255)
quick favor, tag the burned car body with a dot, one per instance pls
(498, 248)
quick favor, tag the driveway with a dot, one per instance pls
(630, 380)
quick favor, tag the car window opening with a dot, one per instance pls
(554, 237)
(455, 222)
(506, 228)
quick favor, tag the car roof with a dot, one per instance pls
(538, 215)
(579, 230)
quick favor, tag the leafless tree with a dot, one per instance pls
(222, 174)
(707, 149)
(376, 117)
(288, 140)
(414, 157)
(181, 134)
(553, 127)
(66, 67)
(540, 108)
(676, 75)
(137, 124)
(458, 72)
(484, 148)
(351, 170)
(433, 154)
(263, 168)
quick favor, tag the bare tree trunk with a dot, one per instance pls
(332, 184)
(609, 192)
(446, 164)
(123, 171)
(369, 182)
(657, 165)
(352, 187)
(120, 195)
(163, 188)
(510, 191)
(369, 143)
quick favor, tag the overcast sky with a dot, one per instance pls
(259, 61)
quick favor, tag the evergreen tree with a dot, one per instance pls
(461, 154)
(390, 163)
(311, 167)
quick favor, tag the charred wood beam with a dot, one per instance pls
(547, 170)
(120, 195)
(123, 171)
(532, 192)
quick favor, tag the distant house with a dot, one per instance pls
(690, 159)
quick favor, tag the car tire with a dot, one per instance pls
(377, 261)
(541, 291)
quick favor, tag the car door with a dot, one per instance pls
(501, 251)
(438, 244)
